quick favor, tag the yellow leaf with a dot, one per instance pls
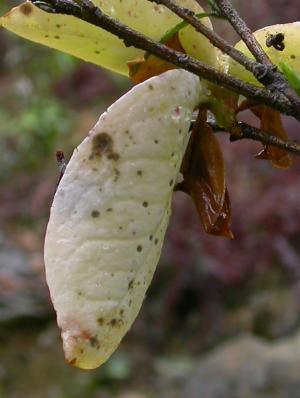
(85, 41)
(290, 53)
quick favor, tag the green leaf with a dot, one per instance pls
(292, 77)
(183, 24)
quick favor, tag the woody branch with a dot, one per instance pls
(276, 93)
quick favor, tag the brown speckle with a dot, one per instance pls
(130, 284)
(113, 156)
(95, 213)
(117, 175)
(73, 361)
(100, 321)
(115, 322)
(94, 342)
(150, 87)
(102, 143)
(26, 9)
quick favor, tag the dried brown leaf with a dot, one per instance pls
(143, 68)
(204, 179)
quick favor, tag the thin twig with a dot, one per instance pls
(256, 68)
(92, 14)
(243, 31)
(249, 132)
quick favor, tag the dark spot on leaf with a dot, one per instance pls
(151, 237)
(130, 302)
(156, 141)
(139, 248)
(100, 321)
(113, 156)
(121, 312)
(150, 87)
(95, 213)
(56, 37)
(171, 182)
(145, 204)
(73, 361)
(101, 144)
(58, 25)
(156, 241)
(109, 209)
(115, 322)
(293, 56)
(139, 172)
(97, 52)
(130, 284)
(94, 342)
(26, 9)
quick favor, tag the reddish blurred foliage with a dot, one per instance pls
(86, 84)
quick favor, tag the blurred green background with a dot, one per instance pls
(221, 318)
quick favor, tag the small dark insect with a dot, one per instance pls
(276, 41)
(60, 157)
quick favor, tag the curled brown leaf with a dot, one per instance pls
(204, 179)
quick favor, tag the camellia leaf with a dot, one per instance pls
(83, 40)
(110, 213)
(290, 53)
(270, 122)
(204, 179)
